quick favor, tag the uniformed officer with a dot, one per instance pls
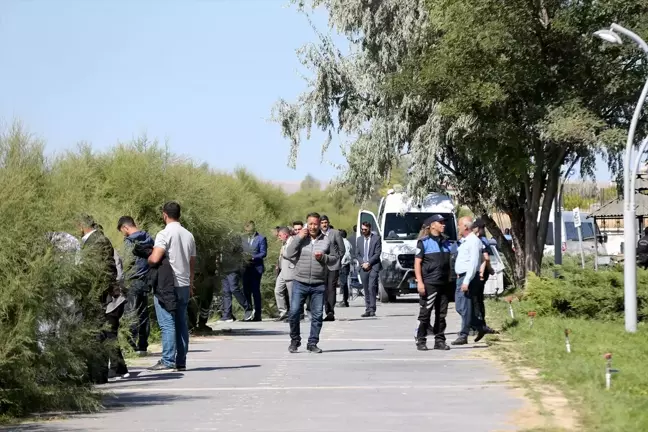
(432, 269)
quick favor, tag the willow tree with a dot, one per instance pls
(492, 98)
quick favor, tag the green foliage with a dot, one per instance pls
(492, 98)
(49, 309)
(581, 373)
(579, 293)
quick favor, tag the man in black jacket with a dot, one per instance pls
(368, 250)
(136, 279)
(432, 269)
(98, 253)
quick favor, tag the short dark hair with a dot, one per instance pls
(314, 215)
(249, 223)
(343, 233)
(366, 224)
(86, 221)
(646, 231)
(125, 220)
(298, 223)
(172, 209)
(324, 218)
(278, 227)
(284, 230)
(355, 228)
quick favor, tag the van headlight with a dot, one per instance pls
(386, 256)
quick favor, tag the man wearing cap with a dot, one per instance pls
(432, 269)
(467, 264)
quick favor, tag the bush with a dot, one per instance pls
(43, 367)
(584, 293)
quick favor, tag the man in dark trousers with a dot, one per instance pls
(333, 275)
(98, 253)
(137, 284)
(256, 246)
(311, 252)
(432, 270)
(231, 270)
(368, 249)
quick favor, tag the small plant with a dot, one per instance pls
(509, 300)
(531, 317)
(567, 344)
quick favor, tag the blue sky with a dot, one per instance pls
(202, 74)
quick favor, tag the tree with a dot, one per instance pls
(492, 98)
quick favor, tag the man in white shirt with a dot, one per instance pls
(467, 265)
(345, 269)
(179, 246)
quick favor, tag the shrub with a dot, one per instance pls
(44, 347)
(584, 293)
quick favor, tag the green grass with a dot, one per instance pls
(581, 373)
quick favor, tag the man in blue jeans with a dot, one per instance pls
(312, 254)
(179, 246)
(467, 265)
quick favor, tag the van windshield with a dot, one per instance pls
(407, 226)
(586, 228)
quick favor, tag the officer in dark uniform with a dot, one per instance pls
(432, 269)
(642, 250)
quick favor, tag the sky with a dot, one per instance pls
(201, 75)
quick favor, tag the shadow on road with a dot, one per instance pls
(216, 368)
(353, 350)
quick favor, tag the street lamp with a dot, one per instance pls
(630, 247)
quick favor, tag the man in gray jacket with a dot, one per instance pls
(312, 254)
(333, 276)
(286, 268)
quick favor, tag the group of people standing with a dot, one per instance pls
(165, 266)
(434, 273)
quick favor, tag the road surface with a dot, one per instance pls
(369, 378)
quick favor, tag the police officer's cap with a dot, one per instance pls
(434, 218)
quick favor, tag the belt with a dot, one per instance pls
(461, 274)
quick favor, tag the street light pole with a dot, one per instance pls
(629, 216)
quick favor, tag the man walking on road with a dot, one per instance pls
(137, 284)
(432, 269)
(257, 248)
(283, 286)
(179, 246)
(368, 250)
(333, 275)
(312, 253)
(467, 266)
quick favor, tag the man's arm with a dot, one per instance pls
(375, 257)
(263, 249)
(292, 249)
(159, 249)
(341, 246)
(331, 257)
(474, 260)
(418, 267)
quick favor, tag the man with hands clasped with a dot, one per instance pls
(312, 254)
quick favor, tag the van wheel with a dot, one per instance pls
(384, 295)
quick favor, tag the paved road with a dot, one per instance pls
(370, 378)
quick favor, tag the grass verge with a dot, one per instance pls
(581, 373)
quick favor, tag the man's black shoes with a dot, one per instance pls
(368, 314)
(421, 346)
(294, 346)
(461, 340)
(480, 335)
(329, 317)
(314, 349)
(442, 346)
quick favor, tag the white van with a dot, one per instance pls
(569, 233)
(399, 222)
